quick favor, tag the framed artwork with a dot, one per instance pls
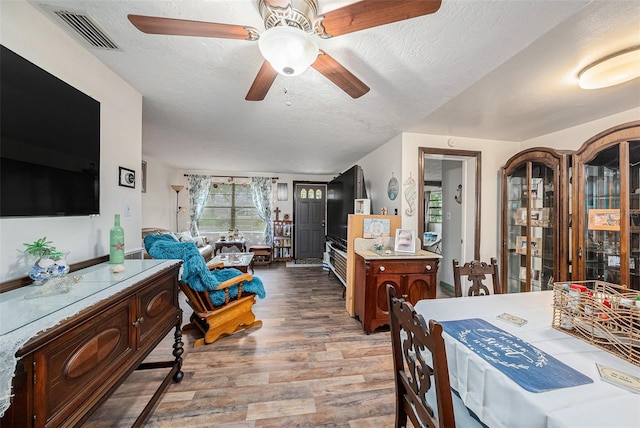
(521, 217)
(362, 206)
(515, 192)
(613, 261)
(393, 188)
(144, 177)
(127, 177)
(405, 241)
(604, 219)
(376, 227)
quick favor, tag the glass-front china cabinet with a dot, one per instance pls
(607, 195)
(535, 220)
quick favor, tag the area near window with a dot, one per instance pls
(230, 207)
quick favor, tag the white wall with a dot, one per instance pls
(159, 201)
(572, 138)
(378, 167)
(121, 140)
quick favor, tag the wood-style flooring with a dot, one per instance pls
(309, 365)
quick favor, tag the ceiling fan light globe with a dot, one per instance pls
(289, 50)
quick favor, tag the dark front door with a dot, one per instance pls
(310, 202)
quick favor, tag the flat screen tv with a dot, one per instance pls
(49, 143)
(342, 191)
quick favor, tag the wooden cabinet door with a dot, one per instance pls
(157, 308)
(606, 207)
(77, 368)
(535, 227)
(418, 287)
(378, 306)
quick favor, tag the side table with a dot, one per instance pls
(262, 254)
(240, 244)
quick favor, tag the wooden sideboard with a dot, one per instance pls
(412, 275)
(65, 372)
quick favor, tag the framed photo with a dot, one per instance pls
(521, 217)
(521, 244)
(604, 219)
(405, 241)
(536, 247)
(515, 192)
(376, 228)
(613, 261)
(362, 206)
(127, 177)
(144, 177)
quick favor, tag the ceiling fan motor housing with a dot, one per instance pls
(292, 13)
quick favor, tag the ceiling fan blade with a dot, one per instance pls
(343, 78)
(366, 14)
(262, 83)
(183, 27)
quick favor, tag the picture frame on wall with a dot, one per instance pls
(143, 185)
(126, 177)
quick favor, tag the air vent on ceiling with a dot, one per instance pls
(85, 27)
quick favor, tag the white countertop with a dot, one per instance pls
(390, 254)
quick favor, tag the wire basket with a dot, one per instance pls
(601, 314)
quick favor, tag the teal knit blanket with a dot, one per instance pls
(194, 269)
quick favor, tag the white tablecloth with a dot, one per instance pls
(500, 402)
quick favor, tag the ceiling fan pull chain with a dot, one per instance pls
(288, 101)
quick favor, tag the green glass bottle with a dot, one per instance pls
(116, 242)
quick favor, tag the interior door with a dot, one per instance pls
(309, 211)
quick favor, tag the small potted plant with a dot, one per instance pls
(48, 261)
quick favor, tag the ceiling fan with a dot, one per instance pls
(288, 44)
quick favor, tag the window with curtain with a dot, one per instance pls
(229, 207)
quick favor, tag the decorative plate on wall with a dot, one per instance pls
(393, 187)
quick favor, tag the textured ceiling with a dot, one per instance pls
(477, 68)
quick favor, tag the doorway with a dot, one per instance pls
(310, 202)
(449, 201)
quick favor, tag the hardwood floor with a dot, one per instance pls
(309, 365)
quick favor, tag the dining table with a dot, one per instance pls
(498, 401)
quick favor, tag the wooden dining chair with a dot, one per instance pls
(476, 272)
(412, 341)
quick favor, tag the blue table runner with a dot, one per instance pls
(526, 365)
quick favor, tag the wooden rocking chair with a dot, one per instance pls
(216, 321)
